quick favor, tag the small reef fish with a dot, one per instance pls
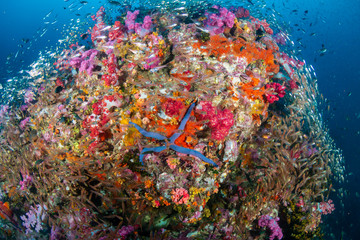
(48, 15)
(172, 25)
(179, 9)
(106, 28)
(203, 29)
(114, 3)
(101, 37)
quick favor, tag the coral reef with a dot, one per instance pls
(167, 126)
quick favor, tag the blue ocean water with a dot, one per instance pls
(325, 32)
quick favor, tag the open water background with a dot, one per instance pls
(326, 31)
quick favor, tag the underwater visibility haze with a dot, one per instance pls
(165, 120)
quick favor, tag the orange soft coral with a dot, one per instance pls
(187, 139)
(252, 90)
(221, 46)
(217, 46)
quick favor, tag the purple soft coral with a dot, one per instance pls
(216, 23)
(126, 230)
(130, 19)
(34, 218)
(272, 225)
(85, 62)
(144, 29)
(147, 23)
(141, 30)
(24, 122)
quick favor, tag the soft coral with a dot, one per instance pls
(216, 23)
(220, 121)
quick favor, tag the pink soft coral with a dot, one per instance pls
(262, 23)
(220, 121)
(242, 12)
(100, 24)
(221, 124)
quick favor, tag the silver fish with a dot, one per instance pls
(179, 8)
(47, 15)
(105, 28)
(203, 29)
(172, 25)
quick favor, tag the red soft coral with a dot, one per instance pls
(278, 92)
(220, 121)
(172, 107)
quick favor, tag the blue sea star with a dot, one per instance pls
(170, 142)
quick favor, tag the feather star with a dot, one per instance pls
(170, 142)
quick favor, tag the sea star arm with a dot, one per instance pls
(172, 140)
(183, 123)
(148, 134)
(153, 149)
(192, 152)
